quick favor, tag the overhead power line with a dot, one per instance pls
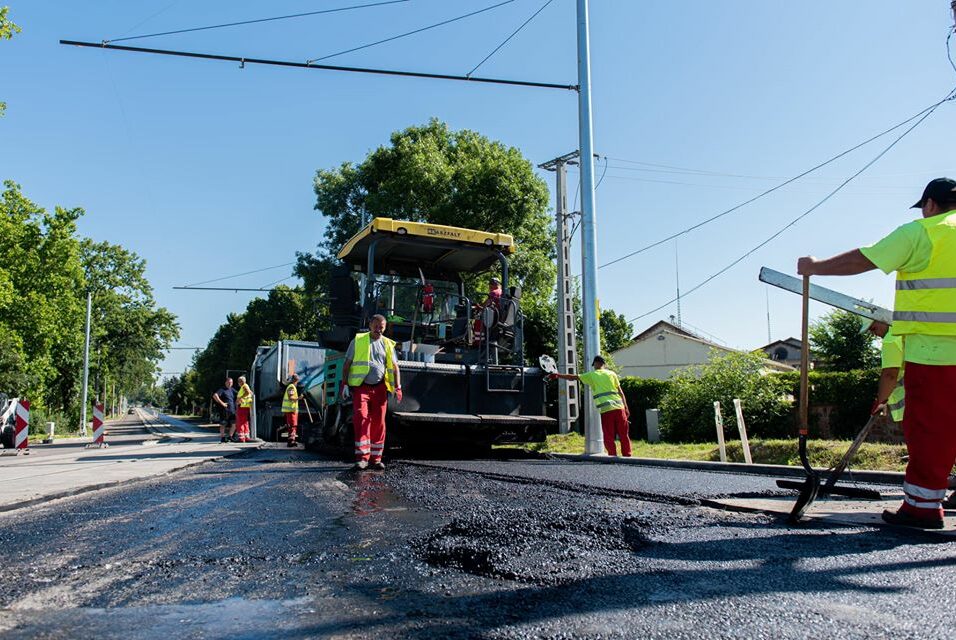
(236, 289)
(927, 113)
(237, 275)
(513, 34)
(257, 20)
(928, 110)
(320, 67)
(410, 33)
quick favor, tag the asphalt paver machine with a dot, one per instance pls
(462, 361)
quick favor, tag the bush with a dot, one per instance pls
(642, 394)
(850, 392)
(687, 407)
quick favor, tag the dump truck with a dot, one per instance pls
(268, 377)
(461, 380)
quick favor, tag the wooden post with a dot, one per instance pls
(720, 432)
(743, 431)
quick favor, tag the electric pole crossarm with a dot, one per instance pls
(322, 67)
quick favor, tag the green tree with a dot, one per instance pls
(283, 315)
(41, 308)
(7, 30)
(616, 331)
(129, 332)
(838, 345)
(687, 407)
(432, 174)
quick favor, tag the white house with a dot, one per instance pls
(665, 347)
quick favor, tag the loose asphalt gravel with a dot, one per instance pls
(289, 544)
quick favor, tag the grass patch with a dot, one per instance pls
(823, 453)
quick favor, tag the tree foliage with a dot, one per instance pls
(283, 315)
(45, 271)
(687, 407)
(838, 344)
(616, 331)
(7, 30)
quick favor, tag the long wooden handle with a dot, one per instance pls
(805, 358)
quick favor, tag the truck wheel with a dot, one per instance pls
(6, 437)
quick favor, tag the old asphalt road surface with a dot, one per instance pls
(288, 544)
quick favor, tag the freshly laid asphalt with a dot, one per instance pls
(289, 544)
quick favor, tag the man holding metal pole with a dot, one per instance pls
(923, 255)
(610, 402)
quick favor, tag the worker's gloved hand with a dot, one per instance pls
(398, 395)
(345, 391)
(878, 408)
(552, 376)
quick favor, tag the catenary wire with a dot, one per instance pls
(767, 192)
(409, 33)
(513, 34)
(257, 20)
(145, 20)
(278, 266)
(600, 180)
(832, 193)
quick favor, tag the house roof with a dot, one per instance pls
(791, 342)
(655, 328)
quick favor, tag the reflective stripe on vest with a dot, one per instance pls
(362, 364)
(896, 403)
(605, 394)
(926, 300)
(290, 405)
(244, 397)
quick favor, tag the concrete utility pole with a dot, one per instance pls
(567, 343)
(589, 289)
(86, 363)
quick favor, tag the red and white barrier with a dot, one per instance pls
(99, 429)
(21, 441)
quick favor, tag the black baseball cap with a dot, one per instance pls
(941, 190)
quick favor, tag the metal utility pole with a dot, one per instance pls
(589, 289)
(86, 363)
(567, 343)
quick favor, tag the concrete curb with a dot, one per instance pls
(869, 477)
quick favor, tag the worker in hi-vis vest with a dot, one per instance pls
(370, 373)
(889, 390)
(923, 255)
(609, 400)
(244, 400)
(290, 409)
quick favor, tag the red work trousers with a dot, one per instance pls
(929, 426)
(242, 423)
(615, 423)
(368, 419)
(292, 422)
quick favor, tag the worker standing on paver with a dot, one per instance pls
(889, 391)
(923, 254)
(226, 399)
(290, 409)
(610, 402)
(244, 400)
(370, 373)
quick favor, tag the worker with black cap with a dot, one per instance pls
(610, 402)
(923, 255)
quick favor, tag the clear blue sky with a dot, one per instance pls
(206, 170)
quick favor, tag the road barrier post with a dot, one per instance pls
(719, 421)
(99, 428)
(742, 427)
(21, 440)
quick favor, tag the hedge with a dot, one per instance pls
(642, 394)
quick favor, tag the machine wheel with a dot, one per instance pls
(6, 437)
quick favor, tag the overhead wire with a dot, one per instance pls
(816, 206)
(767, 192)
(246, 273)
(409, 33)
(257, 20)
(145, 20)
(508, 39)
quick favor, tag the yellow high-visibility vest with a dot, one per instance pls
(604, 391)
(290, 401)
(244, 397)
(926, 300)
(361, 362)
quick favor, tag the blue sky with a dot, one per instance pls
(205, 169)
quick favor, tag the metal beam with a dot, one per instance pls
(243, 61)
